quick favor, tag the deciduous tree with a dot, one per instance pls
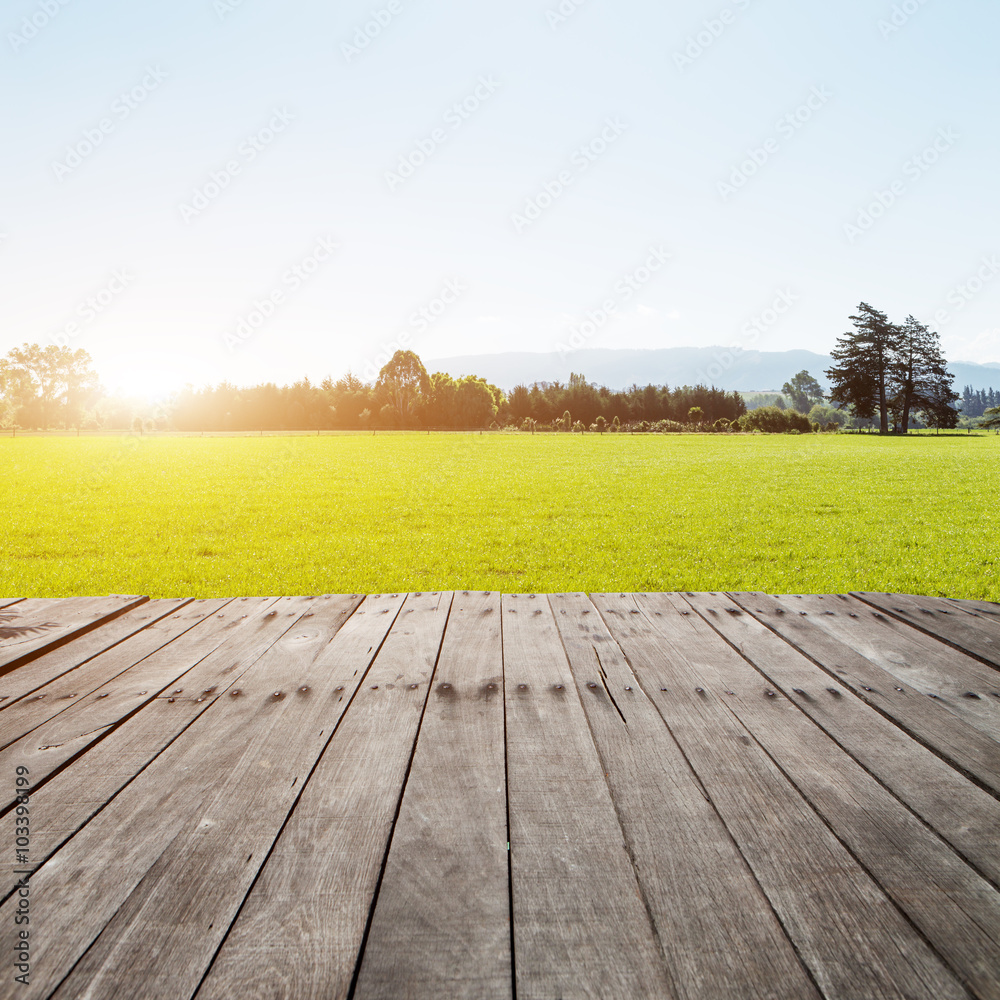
(402, 383)
(47, 385)
(803, 391)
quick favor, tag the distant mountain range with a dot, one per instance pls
(747, 371)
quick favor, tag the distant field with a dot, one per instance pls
(219, 516)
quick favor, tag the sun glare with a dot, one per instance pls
(150, 377)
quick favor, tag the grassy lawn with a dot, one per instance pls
(220, 516)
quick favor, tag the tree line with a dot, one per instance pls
(405, 396)
(975, 402)
(892, 372)
(53, 386)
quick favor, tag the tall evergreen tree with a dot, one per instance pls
(921, 375)
(863, 375)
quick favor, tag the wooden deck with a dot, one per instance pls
(468, 795)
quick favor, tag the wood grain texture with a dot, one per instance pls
(97, 674)
(581, 927)
(441, 926)
(719, 934)
(6, 602)
(963, 685)
(64, 803)
(962, 745)
(300, 932)
(952, 906)
(847, 931)
(196, 630)
(979, 638)
(165, 934)
(989, 608)
(48, 667)
(36, 625)
(312, 797)
(962, 813)
(211, 789)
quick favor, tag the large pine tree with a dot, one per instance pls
(921, 376)
(863, 375)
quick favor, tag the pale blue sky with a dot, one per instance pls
(226, 70)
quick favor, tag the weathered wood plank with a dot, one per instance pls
(198, 630)
(718, 931)
(152, 839)
(441, 926)
(73, 687)
(36, 625)
(64, 803)
(963, 685)
(988, 608)
(957, 910)
(581, 927)
(962, 745)
(6, 602)
(47, 667)
(979, 636)
(962, 813)
(300, 931)
(850, 935)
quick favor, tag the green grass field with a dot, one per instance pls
(221, 516)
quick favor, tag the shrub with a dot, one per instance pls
(798, 422)
(668, 427)
(772, 420)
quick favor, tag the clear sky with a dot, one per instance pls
(258, 190)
